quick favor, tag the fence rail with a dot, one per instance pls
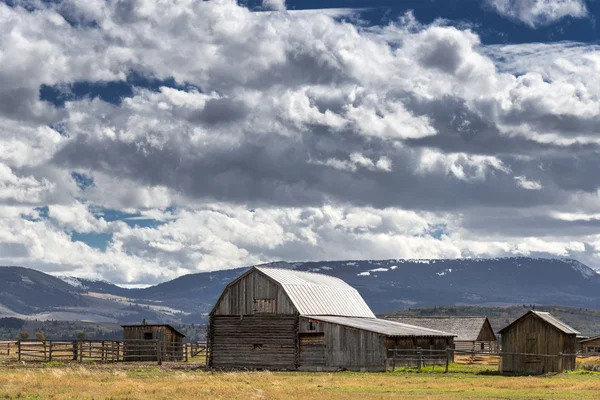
(102, 350)
(429, 357)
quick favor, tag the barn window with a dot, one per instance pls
(147, 335)
(257, 347)
(482, 346)
(312, 326)
(264, 306)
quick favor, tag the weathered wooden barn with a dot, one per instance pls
(472, 333)
(538, 343)
(139, 340)
(284, 319)
(590, 345)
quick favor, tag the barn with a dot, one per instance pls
(528, 342)
(590, 345)
(169, 340)
(472, 333)
(285, 319)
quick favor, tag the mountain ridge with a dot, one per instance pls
(386, 285)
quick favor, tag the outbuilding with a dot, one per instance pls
(590, 345)
(538, 343)
(271, 318)
(472, 333)
(143, 342)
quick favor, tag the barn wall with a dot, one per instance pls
(344, 347)
(171, 343)
(487, 333)
(532, 335)
(254, 341)
(254, 294)
(476, 345)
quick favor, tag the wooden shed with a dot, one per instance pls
(285, 319)
(537, 343)
(139, 340)
(472, 333)
(590, 346)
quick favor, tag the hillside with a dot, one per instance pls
(386, 285)
(586, 321)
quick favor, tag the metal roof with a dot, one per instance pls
(382, 326)
(465, 328)
(318, 294)
(546, 316)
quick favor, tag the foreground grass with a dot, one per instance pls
(151, 382)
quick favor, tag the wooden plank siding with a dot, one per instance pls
(590, 346)
(170, 341)
(346, 348)
(532, 335)
(251, 294)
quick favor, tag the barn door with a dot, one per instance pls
(312, 349)
(533, 364)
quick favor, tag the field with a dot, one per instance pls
(191, 381)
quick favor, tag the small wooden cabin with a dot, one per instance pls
(590, 345)
(168, 338)
(271, 318)
(472, 333)
(534, 335)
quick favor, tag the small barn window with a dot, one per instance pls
(312, 326)
(257, 347)
(264, 306)
(148, 336)
(482, 346)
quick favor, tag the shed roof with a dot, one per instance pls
(547, 317)
(465, 328)
(318, 294)
(590, 339)
(382, 326)
(152, 325)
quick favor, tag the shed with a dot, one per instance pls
(538, 343)
(472, 333)
(590, 345)
(139, 339)
(285, 319)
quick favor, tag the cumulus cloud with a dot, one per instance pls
(539, 12)
(287, 135)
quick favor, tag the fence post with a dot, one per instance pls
(394, 360)
(75, 350)
(560, 362)
(447, 359)
(50, 352)
(419, 359)
(158, 355)
(81, 351)
(185, 346)
(19, 349)
(44, 344)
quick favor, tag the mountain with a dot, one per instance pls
(386, 285)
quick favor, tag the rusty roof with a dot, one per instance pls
(318, 294)
(382, 326)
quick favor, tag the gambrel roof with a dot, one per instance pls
(318, 294)
(465, 328)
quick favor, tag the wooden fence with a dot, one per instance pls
(103, 350)
(420, 358)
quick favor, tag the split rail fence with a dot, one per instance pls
(103, 350)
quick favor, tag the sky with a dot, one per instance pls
(141, 140)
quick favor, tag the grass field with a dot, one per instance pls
(186, 381)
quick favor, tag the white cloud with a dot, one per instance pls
(528, 184)
(539, 12)
(276, 5)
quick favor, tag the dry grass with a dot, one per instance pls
(180, 381)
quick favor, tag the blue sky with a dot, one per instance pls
(142, 141)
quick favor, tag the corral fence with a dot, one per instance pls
(420, 358)
(104, 350)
